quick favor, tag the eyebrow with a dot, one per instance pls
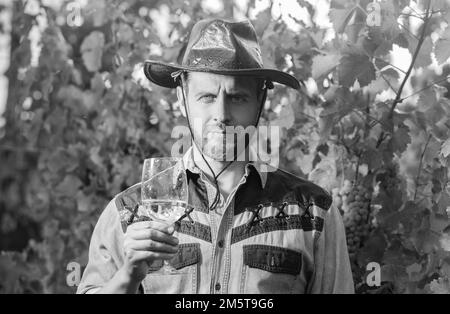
(232, 93)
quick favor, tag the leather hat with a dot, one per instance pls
(221, 47)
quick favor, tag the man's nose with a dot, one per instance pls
(222, 109)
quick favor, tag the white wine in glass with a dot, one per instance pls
(164, 192)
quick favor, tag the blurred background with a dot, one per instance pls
(78, 117)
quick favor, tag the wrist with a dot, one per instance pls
(127, 281)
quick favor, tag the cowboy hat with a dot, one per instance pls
(221, 47)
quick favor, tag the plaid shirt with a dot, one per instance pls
(275, 233)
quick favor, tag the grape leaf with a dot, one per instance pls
(286, 116)
(355, 67)
(318, 37)
(372, 157)
(435, 5)
(401, 138)
(324, 173)
(325, 125)
(440, 286)
(424, 56)
(97, 84)
(438, 222)
(389, 17)
(381, 64)
(89, 100)
(340, 18)
(92, 50)
(413, 272)
(401, 40)
(342, 13)
(432, 151)
(445, 148)
(98, 10)
(378, 85)
(442, 47)
(322, 65)
(125, 33)
(426, 241)
(383, 48)
(445, 242)
(32, 7)
(426, 99)
(262, 20)
(394, 273)
(391, 73)
(83, 201)
(340, 101)
(95, 156)
(373, 249)
(69, 186)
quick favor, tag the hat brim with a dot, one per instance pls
(160, 74)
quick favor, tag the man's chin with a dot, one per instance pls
(217, 153)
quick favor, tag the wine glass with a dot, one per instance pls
(164, 192)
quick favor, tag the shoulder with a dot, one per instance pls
(307, 192)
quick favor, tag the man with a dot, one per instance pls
(250, 230)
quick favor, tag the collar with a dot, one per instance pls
(260, 167)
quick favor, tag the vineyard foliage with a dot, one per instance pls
(80, 118)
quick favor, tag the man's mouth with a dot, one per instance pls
(214, 134)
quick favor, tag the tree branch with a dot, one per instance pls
(426, 87)
(412, 9)
(411, 15)
(381, 139)
(398, 99)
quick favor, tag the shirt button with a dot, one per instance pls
(217, 286)
(220, 243)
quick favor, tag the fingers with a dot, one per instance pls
(139, 256)
(155, 235)
(142, 225)
(153, 238)
(154, 246)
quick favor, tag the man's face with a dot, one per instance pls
(215, 102)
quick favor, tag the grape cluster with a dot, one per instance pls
(354, 202)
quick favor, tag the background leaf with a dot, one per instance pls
(92, 50)
(355, 67)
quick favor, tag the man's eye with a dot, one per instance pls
(238, 99)
(207, 98)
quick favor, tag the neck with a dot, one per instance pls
(230, 176)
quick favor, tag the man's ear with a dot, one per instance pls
(180, 101)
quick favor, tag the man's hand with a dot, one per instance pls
(146, 242)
